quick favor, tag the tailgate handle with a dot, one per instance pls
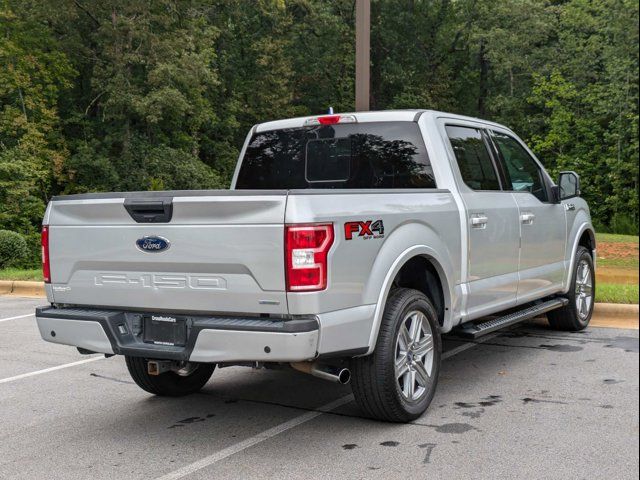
(150, 210)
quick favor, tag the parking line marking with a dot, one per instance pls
(283, 427)
(50, 369)
(251, 441)
(16, 318)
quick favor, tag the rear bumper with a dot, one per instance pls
(209, 339)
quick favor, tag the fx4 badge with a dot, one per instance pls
(367, 229)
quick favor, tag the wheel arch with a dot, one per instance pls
(583, 234)
(588, 240)
(421, 273)
(401, 273)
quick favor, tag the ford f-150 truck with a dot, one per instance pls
(345, 247)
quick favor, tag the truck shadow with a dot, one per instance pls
(474, 369)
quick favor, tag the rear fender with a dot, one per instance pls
(398, 249)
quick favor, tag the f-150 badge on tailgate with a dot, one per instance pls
(153, 244)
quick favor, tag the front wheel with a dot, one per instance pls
(396, 383)
(170, 384)
(577, 313)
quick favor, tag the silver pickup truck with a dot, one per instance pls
(346, 246)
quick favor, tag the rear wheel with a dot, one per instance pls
(188, 380)
(396, 383)
(577, 313)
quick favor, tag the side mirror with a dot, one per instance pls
(568, 185)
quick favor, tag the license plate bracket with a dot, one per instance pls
(164, 330)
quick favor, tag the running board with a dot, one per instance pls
(475, 330)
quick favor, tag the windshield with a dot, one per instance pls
(350, 155)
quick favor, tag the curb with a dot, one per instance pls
(22, 288)
(617, 310)
(6, 287)
(613, 315)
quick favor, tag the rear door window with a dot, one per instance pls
(475, 163)
(354, 155)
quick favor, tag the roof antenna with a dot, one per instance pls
(330, 112)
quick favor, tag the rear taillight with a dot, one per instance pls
(46, 268)
(306, 248)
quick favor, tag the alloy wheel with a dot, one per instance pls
(414, 356)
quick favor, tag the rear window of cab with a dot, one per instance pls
(340, 156)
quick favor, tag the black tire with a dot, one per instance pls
(374, 383)
(568, 318)
(168, 384)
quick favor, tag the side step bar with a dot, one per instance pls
(475, 330)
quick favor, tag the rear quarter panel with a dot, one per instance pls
(359, 267)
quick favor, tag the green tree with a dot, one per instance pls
(33, 75)
(152, 76)
(587, 106)
(138, 95)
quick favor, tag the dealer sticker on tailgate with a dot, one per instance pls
(165, 330)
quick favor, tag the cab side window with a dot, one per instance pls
(476, 167)
(522, 171)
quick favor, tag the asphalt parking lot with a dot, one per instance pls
(525, 403)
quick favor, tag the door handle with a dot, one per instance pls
(479, 220)
(527, 218)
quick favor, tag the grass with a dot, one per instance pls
(20, 274)
(619, 262)
(615, 238)
(616, 293)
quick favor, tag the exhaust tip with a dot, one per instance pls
(344, 376)
(326, 372)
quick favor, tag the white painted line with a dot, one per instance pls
(251, 441)
(51, 369)
(16, 318)
(283, 427)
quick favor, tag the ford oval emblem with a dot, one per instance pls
(153, 244)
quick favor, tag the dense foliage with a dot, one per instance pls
(13, 248)
(138, 94)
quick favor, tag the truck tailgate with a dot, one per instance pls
(224, 252)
